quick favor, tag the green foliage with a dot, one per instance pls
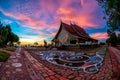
(4, 56)
(36, 43)
(113, 39)
(118, 39)
(112, 10)
(6, 35)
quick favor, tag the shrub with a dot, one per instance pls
(4, 56)
(10, 48)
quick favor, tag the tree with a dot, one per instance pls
(1, 27)
(35, 43)
(3, 34)
(118, 39)
(6, 35)
(112, 10)
(18, 42)
(45, 43)
(112, 39)
(108, 41)
(12, 38)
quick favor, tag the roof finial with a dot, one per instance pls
(70, 22)
(60, 20)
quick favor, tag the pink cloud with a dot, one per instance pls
(44, 34)
(64, 11)
(99, 35)
(25, 20)
(61, 10)
(81, 20)
(84, 15)
(47, 15)
(117, 33)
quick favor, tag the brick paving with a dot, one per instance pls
(105, 72)
(25, 65)
(40, 71)
(115, 58)
(14, 68)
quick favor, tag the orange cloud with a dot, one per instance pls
(99, 35)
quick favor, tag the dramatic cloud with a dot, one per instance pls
(46, 15)
(25, 20)
(84, 14)
(45, 34)
(99, 36)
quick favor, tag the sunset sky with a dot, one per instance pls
(38, 20)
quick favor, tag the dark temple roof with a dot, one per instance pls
(75, 30)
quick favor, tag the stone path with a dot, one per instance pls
(40, 72)
(116, 52)
(115, 58)
(14, 68)
(25, 65)
(105, 72)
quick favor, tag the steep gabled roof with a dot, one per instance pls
(75, 30)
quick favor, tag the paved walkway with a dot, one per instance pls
(116, 52)
(24, 65)
(105, 72)
(115, 58)
(39, 72)
(14, 68)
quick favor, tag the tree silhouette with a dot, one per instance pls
(6, 35)
(112, 39)
(112, 11)
(118, 39)
(35, 43)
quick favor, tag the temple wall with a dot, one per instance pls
(63, 36)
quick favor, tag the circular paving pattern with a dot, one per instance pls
(18, 55)
(14, 72)
(15, 60)
(16, 64)
(12, 56)
(74, 58)
(8, 72)
(89, 63)
(18, 69)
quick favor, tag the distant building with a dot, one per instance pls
(72, 34)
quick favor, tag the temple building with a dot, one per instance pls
(71, 35)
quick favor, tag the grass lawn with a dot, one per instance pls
(10, 49)
(3, 56)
